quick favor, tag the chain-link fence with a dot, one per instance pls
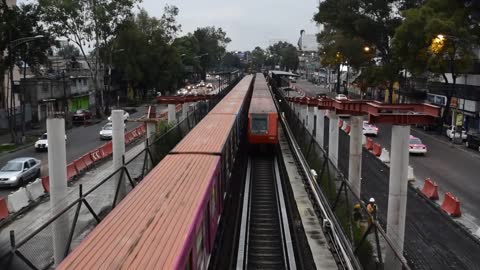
(94, 196)
(365, 234)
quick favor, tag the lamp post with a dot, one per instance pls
(11, 46)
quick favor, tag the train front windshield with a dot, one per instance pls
(259, 124)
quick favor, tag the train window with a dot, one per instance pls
(213, 212)
(259, 124)
(200, 248)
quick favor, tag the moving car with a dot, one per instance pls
(125, 116)
(341, 97)
(473, 140)
(415, 146)
(42, 143)
(202, 84)
(369, 129)
(292, 79)
(453, 130)
(106, 132)
(19, 171)
(209, 86)
(82, 115)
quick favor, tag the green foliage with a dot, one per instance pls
(231, 60)
(188, 48)
(258, 58)
(283, 54)
(211, 44)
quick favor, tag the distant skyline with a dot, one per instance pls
(249, 23)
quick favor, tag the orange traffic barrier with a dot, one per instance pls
(430, 189)
(96, 155)
(340, 123)
(347, 129)
(377, 149)
(107, 149)
(46, 183)
(71, 172)
(3, 208)
(80, 164)
(451, 205)
(369, 144)
(87, 159)
(129, 137)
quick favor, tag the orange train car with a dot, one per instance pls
(262, 115)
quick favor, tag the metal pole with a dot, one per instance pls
(355, 158)
(184, 110)
(333, 139)
(397, 194)
(118, 147)
(57, 167)
(171, 114)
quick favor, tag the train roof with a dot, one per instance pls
(209, 136)
(228, 106)
(149, 229)
(262, 105)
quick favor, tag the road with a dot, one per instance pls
(311, 90)
(80, 140)
(454, 168)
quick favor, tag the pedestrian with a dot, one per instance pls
(372, 210)
(357, 214)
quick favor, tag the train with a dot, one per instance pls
(170, 220)
(262, 115)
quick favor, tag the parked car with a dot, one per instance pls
(125, 116)
(369, 129)
(473, 140)
(82, 115)
(341, 97)
(42, 143)
(453, 130)
(415, 146)
(19, 171)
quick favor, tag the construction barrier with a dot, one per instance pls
(87, 159)
(3, 208)
(411, 175)
(134, 133)
(369, 144)
(46, 183)
(71, 172)
(107, 149)
(430, 189)
(96, 155)
(129, 138)
(80, 165)
(17, 200)
(35, 190)
(340, 123)
(377, 149)
(451, 205)
(385, 156)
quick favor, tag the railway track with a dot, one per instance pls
(265, 241)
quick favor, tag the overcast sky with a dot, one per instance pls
(248, 23)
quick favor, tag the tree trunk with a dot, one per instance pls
(338, 80)
(390, 92)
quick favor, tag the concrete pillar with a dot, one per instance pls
(320, 126)
(118, 147)
(57, 168)
(172, 114)
(397, 194)
(355, 158)
(184, 110)
(311, 119)
(333, 139)
(305, 116)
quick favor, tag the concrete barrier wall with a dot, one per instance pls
(35, 190)
(17, 200)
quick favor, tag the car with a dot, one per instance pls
(341, 97)
(209, 85)
(80, 116)
(106, 132)
(217, 77)
(292, 79)
(369, 129)
(42, 143)
(321, 95)
(190, 87)
(473, 140)
(125, 116)
(453, 130)
(415, 146)
(202, 84)
(17, 172)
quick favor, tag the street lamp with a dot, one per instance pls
(366, 49)
(11, 46)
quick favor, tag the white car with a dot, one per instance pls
(292, 79)
(125, 116)
(415, 146)
(42, 143)
(106, 132)
(369, 129)
(452, 130)
(209, 85)
(341, 97)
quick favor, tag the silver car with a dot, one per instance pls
(19, 171)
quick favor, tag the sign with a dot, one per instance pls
(437, 100)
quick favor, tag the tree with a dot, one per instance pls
(258, 58)
(231, 60)
(211, 43)
(374, 22)
(87, 23)
(436, 38)
(284, 54)
(69, 51)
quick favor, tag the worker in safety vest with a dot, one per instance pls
(372, 210)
